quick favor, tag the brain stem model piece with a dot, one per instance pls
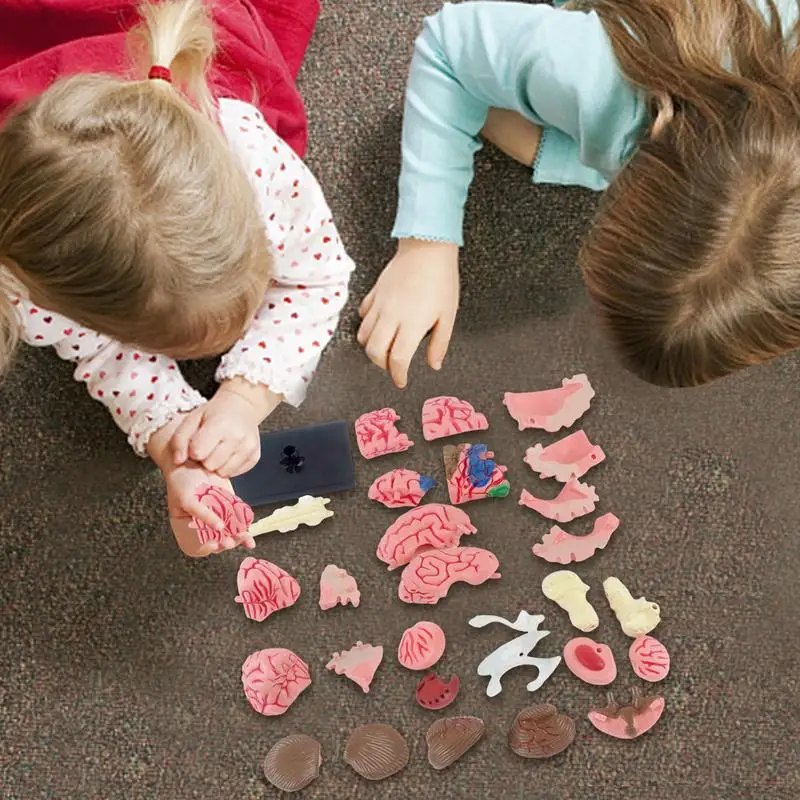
(515, 653)
(636, 616)
(377, 435)
(567, 590)
(472, 473)
(551, 409)
(449, 416)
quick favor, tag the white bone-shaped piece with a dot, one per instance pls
(637, 616)
(307, 510)
(515, 653)
(567, 590)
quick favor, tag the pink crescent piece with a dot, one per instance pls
(570, 457)
(449, 416)
(628, 721)
(377, 435)
(235, 514)
(264, 588)
(560, 547)
(273, 679)
(551, 409)
(421, 646)
(575, 500)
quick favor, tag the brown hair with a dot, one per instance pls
(694, 259)
(123, 207)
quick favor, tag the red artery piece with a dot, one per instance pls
(431, 526)
(590, 661)
(551, 409)
(575, 500)
(400, 488)
(434, 693)
(273, 679)
(472, 473)
(570, 457)
(377, 435)
(428, 578)
(235, 514)
(560, 547)
(449, 416)
(264, 588)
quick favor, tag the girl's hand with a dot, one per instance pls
(416, 294)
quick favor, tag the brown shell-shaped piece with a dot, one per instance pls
(293, 762)
(449, 738)
(376, 751)
(541, 732)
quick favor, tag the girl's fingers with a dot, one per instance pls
(196, 509)
(366, 303)
(182, 436)
(367, 326)
(403, 349)
(440, 341)
(380, 342)
(221, 455)
(238, 464)
(204, 442)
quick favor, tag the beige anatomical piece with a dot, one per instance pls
(637, 616)
(567, 590)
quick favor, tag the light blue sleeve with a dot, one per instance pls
(555, 67)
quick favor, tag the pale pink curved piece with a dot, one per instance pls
(590, 661)
(552, 409)
(449, 416)
(560, 547)
(628, 722)
(264, 588)
(400, 488)
(434, 525)
(273, 679)
(359, 663)
(377, 435)
(337, 587)
(460, 486)
(421, 646)
(428, 578)
(570, 457)
(649, 659)
(574, 500)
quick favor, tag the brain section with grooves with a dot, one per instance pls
(449, 738)
(449, 416)
(293, 762)
(376, 751)
(541, 732)
(421, 646)
(264, 588)
(273, 679)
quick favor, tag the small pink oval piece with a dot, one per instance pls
(590, 661)
(649, 659)
(421, 646)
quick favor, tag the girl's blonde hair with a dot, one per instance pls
(694, 259)
(123, 207)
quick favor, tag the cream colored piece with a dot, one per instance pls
(307, 510)
(566, 589)
(637, 616)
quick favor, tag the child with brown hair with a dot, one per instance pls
(686, 112)
(145, 220)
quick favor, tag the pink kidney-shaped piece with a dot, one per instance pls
(428, 578)
(434, 525)
(628, 721)
(359, 663)
(273, 679)
(570, 457)
(449, 416)
(560, 547)
(264, 588)
(473, 474)
(337, 587)
(649, 659)
(551, 409)
(590, 661)
(421, 646)
(400, 488)
(377, 435)
(575, 500)
(235, 514)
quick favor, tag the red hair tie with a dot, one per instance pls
(160, 74)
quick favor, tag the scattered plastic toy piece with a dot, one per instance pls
(359, 663)
(567, 590)
(649, 659)
(234, 513)
(630, 721)
(515, 653)
(400, 487)
(307, 510)
(551, 409)
(428, 578)
(273, 679)
(421, 646)
(560, 547)
(575, 500)
(448, 739)
(570, 457)
(636, 616)
(293, 762)
(541, 732)
(449, 416)
(376, 751)
(337, 587)
(434, 693)
(377, 435)
(590, 661)
(264, 588)
(472, 473)
(432, 526)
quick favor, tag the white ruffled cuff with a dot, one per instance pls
(252, 367)
(160, 415)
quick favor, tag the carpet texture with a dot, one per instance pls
(121, 659)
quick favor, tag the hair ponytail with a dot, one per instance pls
(10, 327)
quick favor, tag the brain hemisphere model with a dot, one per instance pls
(430, 526)
(264, 588)
(377, 435)
(449, 416)
(273, 679)
(400, 487)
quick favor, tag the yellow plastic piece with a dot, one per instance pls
(637, 616)
(307, 510)
(566, 589)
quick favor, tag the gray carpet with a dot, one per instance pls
(120, 659)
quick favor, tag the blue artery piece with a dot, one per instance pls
(479, 468)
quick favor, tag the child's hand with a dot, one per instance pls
(417, 293)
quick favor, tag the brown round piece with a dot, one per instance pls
(541, 732)
(293, 762)
(448, 739)
(376, 751)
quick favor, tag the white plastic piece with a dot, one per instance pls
(307, 510)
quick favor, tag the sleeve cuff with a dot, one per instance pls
(292, 388)
(558, 162)
(160, 415)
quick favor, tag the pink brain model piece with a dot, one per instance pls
(235, 514)
(428, 578)
(472, 473)
(421, 646)
(359, 663)
(449, 416)
(551, 409)
(400, 487)
(337, 587)
(273, 679)
(592, 662)
(377, 435)
(649, 659)
(430, 526)
(560, 547)
(264, 588)
(570, 457)
(574, 500)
